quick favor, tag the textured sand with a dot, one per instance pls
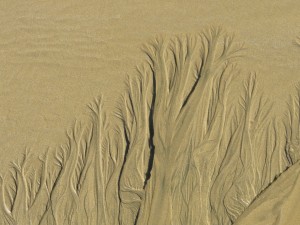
(199, 112)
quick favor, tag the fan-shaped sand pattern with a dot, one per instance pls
(184, 146)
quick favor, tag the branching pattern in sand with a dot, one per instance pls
(184, 146)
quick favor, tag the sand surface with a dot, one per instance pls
(56, 58)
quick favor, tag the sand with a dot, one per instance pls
(149, 112)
